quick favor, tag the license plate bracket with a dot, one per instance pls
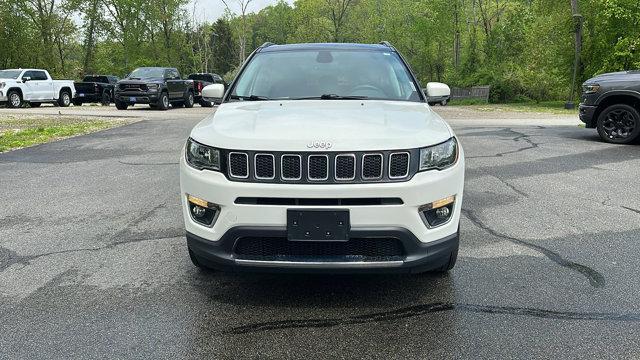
(132, 99)
(318, 225)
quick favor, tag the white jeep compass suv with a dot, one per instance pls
(323, 158)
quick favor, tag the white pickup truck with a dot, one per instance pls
(33, 86)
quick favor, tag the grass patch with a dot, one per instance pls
(18, 133)
(552, 107)
(467, 102)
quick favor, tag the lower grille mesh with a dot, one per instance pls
(276, 248)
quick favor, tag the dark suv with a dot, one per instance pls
(611, 104)
(158, 87)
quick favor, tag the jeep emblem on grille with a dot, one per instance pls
(320, 145)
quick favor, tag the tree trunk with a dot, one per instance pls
(577, 21)
(90, 38)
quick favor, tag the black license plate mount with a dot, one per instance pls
(318, 225)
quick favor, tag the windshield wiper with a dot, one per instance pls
(250, 98)
(333, 97)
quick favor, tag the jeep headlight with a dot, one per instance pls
(202, 157)
(590, 89)
(153, 87)
(439, 156)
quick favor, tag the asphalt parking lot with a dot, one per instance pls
(93, 262)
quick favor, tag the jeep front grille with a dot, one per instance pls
(319, 168)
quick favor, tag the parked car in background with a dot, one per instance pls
(437, 93)
(157, 86)
(610, 103)
(200, 81)
(95, 89)
(33, 86)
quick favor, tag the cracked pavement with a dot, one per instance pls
(93, 262)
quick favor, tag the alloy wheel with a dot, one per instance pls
(619, 124)
(15, 100)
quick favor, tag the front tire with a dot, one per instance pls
(205, 103)
(451, 263)
(619, 124)
(188, 101)
(65, 98)
(163, 101)
(197, 263)
(106, 98)
(444, 102)
(14, 99)
(121, 105)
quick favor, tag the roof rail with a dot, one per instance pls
(386, 43)
(267, 44)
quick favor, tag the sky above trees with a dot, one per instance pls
(211, 10)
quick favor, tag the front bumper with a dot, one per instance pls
(137, 97)
(398, 221)
(587, 115)
(420, 257)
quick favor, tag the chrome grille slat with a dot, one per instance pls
(372, 166)
(291, 167)
(238, 165)
(264, 166)
(318, 167)
(345, 164)
(399, 165)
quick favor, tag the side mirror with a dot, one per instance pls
(26, 78)
(436, 90)
(213, 92)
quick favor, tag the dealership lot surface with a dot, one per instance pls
(93, 261)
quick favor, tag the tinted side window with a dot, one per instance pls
(39, 75)
(28, 74)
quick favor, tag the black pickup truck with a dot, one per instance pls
(200, 80)
(94, 89)
(159, 87)
(611, 104)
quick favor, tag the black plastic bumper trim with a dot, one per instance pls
(419, 257)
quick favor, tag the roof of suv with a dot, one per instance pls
(326, 46)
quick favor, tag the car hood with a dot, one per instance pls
(305, 125)
(633, 75)
(140, 81)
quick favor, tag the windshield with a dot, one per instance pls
(147, 73)
(326, 74)
(9, 74)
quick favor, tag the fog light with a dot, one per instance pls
(443, 212)
(198, 211)
(438, 212)
(202, 211)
